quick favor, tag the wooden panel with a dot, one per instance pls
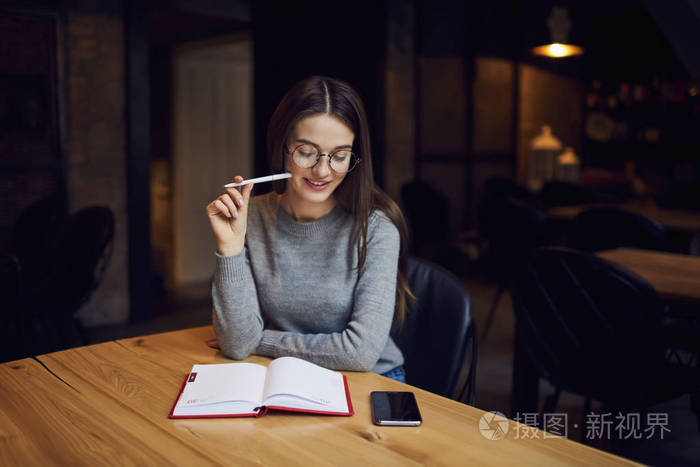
(493, 106)
(212, 142)
(399, 97)
(442, 106)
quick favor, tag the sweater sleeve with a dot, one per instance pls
(237, 322)
(359, 345)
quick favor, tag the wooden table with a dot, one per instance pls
(675, 277)
(108, 404)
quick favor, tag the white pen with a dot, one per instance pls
(268, 178)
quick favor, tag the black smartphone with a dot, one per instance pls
(395, 408)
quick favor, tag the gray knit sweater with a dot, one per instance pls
(295, 290)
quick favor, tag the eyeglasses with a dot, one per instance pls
(341, 161)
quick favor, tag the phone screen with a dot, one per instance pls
(395, 408)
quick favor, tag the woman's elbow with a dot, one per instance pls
(361, 361)
(236, 352)
(235, 345)
(365, 366)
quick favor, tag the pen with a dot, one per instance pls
(268, 178)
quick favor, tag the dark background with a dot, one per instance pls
(626, 42)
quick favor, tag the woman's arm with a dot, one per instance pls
(359, 345)
(236, 313)
(238, 324)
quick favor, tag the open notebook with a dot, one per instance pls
(249, 390)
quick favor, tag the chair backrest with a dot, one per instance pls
(10, 324)
(428, 217)
(83, 252)
(605, 228)
(9, 289)
(502, 188)
(35, 230)
(438, 332)
(561, 193)
(590, 326)
(513, 230)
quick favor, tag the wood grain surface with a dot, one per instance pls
(108, 404)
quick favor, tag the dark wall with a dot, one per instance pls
(293, 40)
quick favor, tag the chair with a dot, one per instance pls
(439, 333)
(77, 264)
(10, 324)
(605, 228)
(505, 188)
(593, 328)
(561, 193)
(512, 228)
(35, 230)
(428, 217)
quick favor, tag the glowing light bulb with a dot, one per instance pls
(557, 50)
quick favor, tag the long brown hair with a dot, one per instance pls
(357, 194)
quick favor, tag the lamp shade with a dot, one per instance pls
(559, 26)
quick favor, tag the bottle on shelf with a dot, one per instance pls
(544, 149)
(568, 168)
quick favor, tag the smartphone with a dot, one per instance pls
(395, 408)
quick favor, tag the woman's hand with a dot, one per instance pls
(228, 215)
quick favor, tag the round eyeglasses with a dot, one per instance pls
(341, 161)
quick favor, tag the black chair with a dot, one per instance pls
(77, 263)
(512, 229)
(35, 229)
(428, 218)
(11, 338)
(561, 193)
(438, 335)
(594, 329)
(505, 188)
(604, 228)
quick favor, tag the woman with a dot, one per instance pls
(315, 269)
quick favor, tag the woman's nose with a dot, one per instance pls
(323, 166)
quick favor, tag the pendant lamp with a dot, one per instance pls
(559, 26)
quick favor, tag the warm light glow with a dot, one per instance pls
(557, 50)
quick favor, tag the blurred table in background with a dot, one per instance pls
(683, 224)
(678, 220)
(675, 277)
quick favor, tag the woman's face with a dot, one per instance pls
(316, 184)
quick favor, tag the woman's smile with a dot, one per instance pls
(317, 185)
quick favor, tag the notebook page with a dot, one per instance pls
(224, 382)
(298, 383)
